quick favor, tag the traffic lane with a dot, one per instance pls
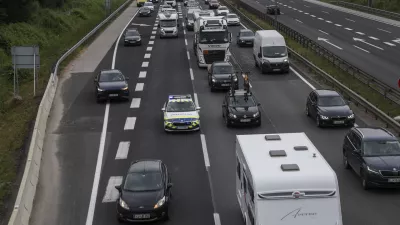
(181, 152)
(63, 197)
(290, 117)
(221, 142)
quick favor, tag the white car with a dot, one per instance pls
(232, 19)
(149, 5)
(222, 10)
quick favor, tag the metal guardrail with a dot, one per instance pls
(345, 91)
(381, 88)
(27, 190)
(371, 10)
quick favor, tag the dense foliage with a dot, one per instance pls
(389, 5)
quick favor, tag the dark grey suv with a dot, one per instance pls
(374, 154)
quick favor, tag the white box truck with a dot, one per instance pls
(270, 51)
(282, 179)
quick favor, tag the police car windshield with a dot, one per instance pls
(111, 77)
(241, 101)
(381, 148)
(168, 23)
(274, 51)
(180, 107)
(218, 37)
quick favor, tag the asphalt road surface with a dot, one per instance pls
(202, 164)
(370, 45)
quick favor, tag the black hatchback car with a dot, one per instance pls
(111, 84)
(329, 108)
(374, 154)
(145, 192)
(245, 37)
(132, 37)
(240, 108)
(221, 75)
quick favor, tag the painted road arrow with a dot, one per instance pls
(142, 25)
(363, 41)
(326, 41)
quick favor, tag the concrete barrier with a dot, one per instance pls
(23, 204)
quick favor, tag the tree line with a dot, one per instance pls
(12, 11)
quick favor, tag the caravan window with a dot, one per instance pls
(238, 168)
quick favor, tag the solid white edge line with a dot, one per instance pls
(361, 49)
(123, 150)
(384, 30)
(217, 219)
(350, 20)
(99, 163)
(205, 152)
(191, 74)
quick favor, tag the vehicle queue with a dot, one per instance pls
(372, 152)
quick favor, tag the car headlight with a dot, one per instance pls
(98, 89)
(232, 115)
(265, 61)
(351, 116)
(285, 60)
(139, 39)
(323, 117)
(123, 204)
(125, 88)
(160, 203)
(372, 170)
(256, 114)
(213, 79)
(235, 78)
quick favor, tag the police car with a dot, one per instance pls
(181, 114)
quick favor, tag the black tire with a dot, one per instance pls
(318, 121)
(307, 111)
(364, 181)
(227, 122)
(345, 161)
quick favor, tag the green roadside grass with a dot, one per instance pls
(388, 5)
(327, 66)
(55, 31)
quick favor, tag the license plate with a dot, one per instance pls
(182, 128)
(141, 216)
(113, 95)
(338, 122)
(276, 69)
(245, 120)
(249, 42)
(224, 85)
(394, 180)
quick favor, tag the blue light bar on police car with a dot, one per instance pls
(188, 96)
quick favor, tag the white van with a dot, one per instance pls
(282, 179)
(270, 52)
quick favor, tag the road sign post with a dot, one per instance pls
(25, 57)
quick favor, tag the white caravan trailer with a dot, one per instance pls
(282, 179)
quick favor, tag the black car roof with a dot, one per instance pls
(326, 93)
(375, 134)
(222, 63)
(142, 166)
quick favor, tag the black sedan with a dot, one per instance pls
(329, 109)
(245, 37)
(111, 84)
(273, 10)
(221, 75)
(144, 11)
(374, 155)
(241, 108)
(145, 192)
(132, 37)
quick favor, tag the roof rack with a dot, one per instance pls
(300, 148)
(289, 167)
(272, 137)
(277, 153)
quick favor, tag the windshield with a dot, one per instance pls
(144, 9)
(274, 51)
(241, 101)
(232, 16)
(143, 182)
(111, 77)
(246, 34)
(331, 101)
(223, 70)
(167, 23)
(381, 148)
(190, 16)
(222, 8)
(148, 4)
(132, 33)
(180, 107)
(218, 37)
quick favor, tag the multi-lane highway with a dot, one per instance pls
(368, 44)
(108, 137)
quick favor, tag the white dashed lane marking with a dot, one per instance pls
(361, 48)
(348, 28)
(298, 21)
(329, 21)
(135, 103)
(154, 28)
(142, 74)
(149, 48)
(323, 32)
(139, 87)
(151, 42)
(390, 44)
(188, 55)
(123, 150)
(112, 194)
(153, 32)
(191, 74)
(145, 64)
(338, 25)
(321, 18)
(205, 152)
(360, 33)
(350, 20)
(186, 42)
(147, 56)
(312, 16)
(374, 38)
(152, 37)
(384, 30)
(130, 123)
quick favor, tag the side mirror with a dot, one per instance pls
(198, 108)
(258, 104)
(170, 185)
(259, 55)
(163, 109)
(118, 188)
